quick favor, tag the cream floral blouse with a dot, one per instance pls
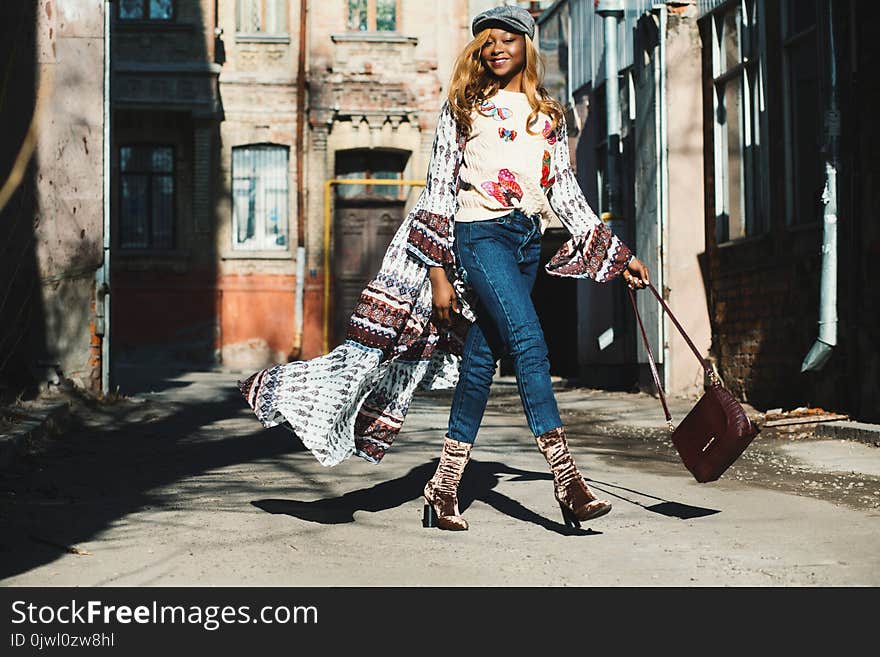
(506, 163)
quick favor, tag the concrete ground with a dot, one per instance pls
(179, 485)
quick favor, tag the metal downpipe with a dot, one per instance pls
(296, 347)
(820, 352)
(102, 275)
(611, 12)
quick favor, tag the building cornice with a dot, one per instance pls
(373, 37)
(165, 68)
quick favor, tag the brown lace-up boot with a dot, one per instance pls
(441, 491)
(576, 500)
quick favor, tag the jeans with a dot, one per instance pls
(499, 258)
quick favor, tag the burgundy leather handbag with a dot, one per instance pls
(717, 430)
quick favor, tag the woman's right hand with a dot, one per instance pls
(443, 296)
(636, 274)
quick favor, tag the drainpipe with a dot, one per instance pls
(611, 12)
(296, 350)
(102, 275)
(820, 352)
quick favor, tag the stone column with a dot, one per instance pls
(317, 171)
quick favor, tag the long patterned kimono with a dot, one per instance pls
(354, 399)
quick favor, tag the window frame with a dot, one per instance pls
(371, 18)
(267, 36)
(262, 245)
(789, 40)
(750, 73)
(145, 4)
(150, 246)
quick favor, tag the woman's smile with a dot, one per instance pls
(504, 54)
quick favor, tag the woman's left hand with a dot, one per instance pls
(636, 275)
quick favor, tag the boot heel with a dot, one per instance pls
(568, 516)
(429, 517)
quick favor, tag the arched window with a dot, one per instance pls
(370, 163)
(259, 197)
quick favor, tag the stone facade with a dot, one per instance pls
(51, 229)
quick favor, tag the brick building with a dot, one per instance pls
(165, 183)
(788, 88)
(209, 230)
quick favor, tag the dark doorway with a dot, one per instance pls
(555, 300)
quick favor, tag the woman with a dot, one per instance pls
(452, 294)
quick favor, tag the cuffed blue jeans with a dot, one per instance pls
(499, 258)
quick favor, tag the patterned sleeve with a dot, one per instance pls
(593, 250)
(430, 235)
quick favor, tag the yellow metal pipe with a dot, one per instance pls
(328, 184)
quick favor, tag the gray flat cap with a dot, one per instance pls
(514, 19)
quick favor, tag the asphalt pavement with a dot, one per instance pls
(177, 484)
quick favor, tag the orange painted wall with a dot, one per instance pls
(313, 313)
(258, 306)
(152, 308)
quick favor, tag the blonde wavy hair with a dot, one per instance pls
(472, 83)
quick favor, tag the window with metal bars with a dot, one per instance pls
(261, 17)
(146, 213)
(260, 197)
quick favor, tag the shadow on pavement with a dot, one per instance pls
(84, 481)
(478, 483)
(338, 510)
(139, 380)
(683, 511)
(664, 507)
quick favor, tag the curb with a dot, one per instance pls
(37, 420)
(849, 430)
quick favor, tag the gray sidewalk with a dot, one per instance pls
(181, 486)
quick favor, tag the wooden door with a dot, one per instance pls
(363, 233)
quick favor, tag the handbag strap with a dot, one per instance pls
(706, 367)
